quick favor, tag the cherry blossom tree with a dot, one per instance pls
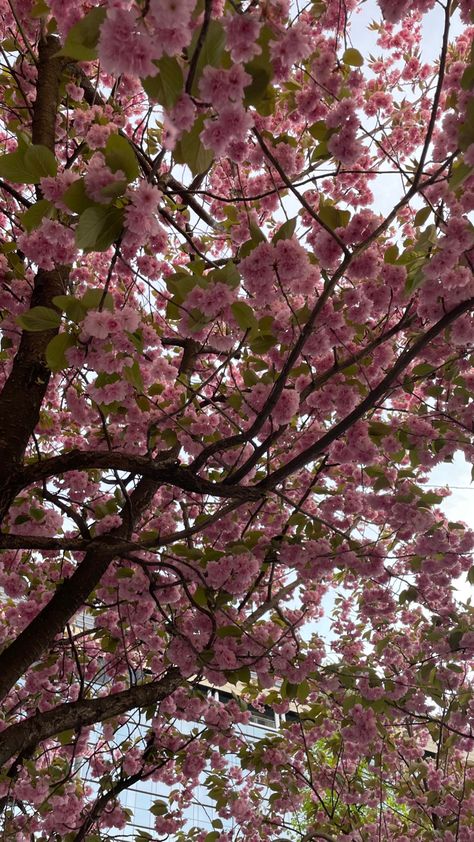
(236, 295)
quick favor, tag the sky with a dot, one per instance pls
(459, 506)
(457, 475)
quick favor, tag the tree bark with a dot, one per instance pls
(25, 388)
(70, 595)
(25, 735)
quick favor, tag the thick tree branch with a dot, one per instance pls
(28, 381)
(50, 67)
(16, 195)
(67, 600)
(169, 473)
(10, 541)
(71, 594)
(25, 735)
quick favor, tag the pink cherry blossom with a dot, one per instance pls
(125, 46)
(227, 575)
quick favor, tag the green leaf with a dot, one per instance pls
(98, 228)
(229, 274)
(319, 130)
(353, 57)
(133, 375)
(33, 217)
(258, 87)
(467, 78)
(262, 343)
(461, 171)
(289, 690)
(56, 351)
(125, 573)
(41, 161)
(190, 151)
(82, 39)
(180, 284)
(173, 313)
(229, 631)
(414, 280)
(115, 189)
(390, 254)
(66, 737)
(73, 308)
(199, 320)
(200, 597)
(332, 216)
(265, 105)
(257, 237)
(430, 498)
(149, 537)
(92, 298)
(257, 234)
(37, 514)
(259, 92)
(28, 164)
(12, 168)
(380, 483)
(249, 376)
(422, 369)
(206, 656)
(302, 692)
(211, 51)
(408, 595)
(421, 216)
(109, 643)
(39, 10)
(285, 231)
(242, 674)
(466, 129)
(75, 197)
(38, 319)
(119, 155)
(243, 315)
(167, 86)
(320, 151)
(159, 808)
(454, 639)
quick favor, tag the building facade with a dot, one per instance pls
(202, 812)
